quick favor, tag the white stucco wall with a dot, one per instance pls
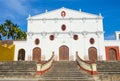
(112, 43)
(83, 24)
(117, 35)
(20, 45)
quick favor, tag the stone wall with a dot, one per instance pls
(8, 42)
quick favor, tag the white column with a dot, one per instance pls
(99, 47)
(85, 47)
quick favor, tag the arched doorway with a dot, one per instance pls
(37, 54)
(112, 54)
(63, 53)
(92, 54)
(21, 54)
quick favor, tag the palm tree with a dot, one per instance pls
(7, 26)
(14, 31)
(20, 35)
(11, 31)
(2, 31)
(23, 36)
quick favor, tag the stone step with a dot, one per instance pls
(47, 80)
(21, 68)
(108, 67)
(65, 76)
(15, 68)
(19, 79)
(67, 79)
(17, 73)
(66, 71)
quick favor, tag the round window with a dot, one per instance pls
(92, 41)
(63, 27)
(51, 37)
(75, 37)
(37, 41)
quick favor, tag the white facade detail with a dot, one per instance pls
(83, 24)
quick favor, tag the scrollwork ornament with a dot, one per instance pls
(30, 34)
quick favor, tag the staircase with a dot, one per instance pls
(66, 71)
(108, 70)
(108, 67)
(17, 69)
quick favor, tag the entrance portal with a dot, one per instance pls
(112, 54)
(92, 54)
(21, 54)
(37, 54)
(63, 53)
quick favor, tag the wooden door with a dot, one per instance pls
(112, 55)
(21, 54)
(63, 53)
(37, 54)
(92, 54)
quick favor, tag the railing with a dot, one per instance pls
(86, 66)
(42, 68)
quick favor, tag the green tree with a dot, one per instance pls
(8, 27)
(2, 31)
(11, 31)
(19, 34)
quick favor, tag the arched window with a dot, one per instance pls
(63, 13)
(21, 54)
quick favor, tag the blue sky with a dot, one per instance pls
(18, 11)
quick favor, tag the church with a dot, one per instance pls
(65, 32)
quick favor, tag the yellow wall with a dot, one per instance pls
(7, 52)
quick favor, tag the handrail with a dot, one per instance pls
(42, 68)
(87, 62)
(88, 67)
(47, 64)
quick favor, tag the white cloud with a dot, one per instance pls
(16, 5)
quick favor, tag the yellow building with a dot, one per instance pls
(6, 50)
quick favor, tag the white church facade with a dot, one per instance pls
(64, 32)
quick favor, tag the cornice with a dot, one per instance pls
(69, 33)
(83, 18)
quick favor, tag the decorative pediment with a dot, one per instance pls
(64, 13)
